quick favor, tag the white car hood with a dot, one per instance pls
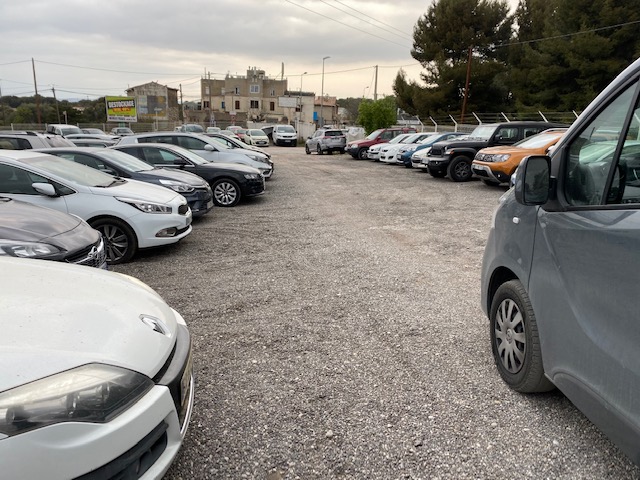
(55, 316)
(137, 189)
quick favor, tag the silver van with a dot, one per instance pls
(561, 268)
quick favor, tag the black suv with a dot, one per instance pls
(454, 157)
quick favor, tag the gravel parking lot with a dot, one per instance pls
(337, 334)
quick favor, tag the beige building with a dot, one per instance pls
(155, 103)
(258, 98)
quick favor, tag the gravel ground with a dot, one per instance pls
(337, 333)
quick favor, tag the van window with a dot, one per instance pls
(594, 154)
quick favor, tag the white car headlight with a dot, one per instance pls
(177, 186)
(27, 249)
(251, 176)
(501, 158)
(93, 393)
(146, 207)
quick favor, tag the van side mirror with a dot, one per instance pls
(533, 180)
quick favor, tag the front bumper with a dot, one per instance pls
(200, 201)
(484, 171)
(438, 164)
(140, 443)
(253, 187)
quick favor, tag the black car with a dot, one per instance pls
(119, 164)
(229, 181)
(31, 231)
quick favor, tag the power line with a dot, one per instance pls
(346, 24)
(372, 18)
(404, 36)
(114, 71)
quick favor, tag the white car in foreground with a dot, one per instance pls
(128, 213)
(89, 385)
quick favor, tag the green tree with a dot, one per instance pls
(377, 114)
(351, 105)
(442, 39)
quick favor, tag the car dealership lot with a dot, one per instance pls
(337, 332)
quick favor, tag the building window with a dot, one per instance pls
(237, 104)
(237, 90)
(206, 90)
(272, 106)
(273, 92)
(222, 106)
(255, 104)
(254, 88)
(205, 104)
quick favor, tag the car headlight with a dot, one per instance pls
(146, 207)
(449, 151)
(258, 158)
(501, 158)
(94, 393)
(27, 249)
(177, 186)
(251, 176)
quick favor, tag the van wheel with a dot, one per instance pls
(119, 238)
(460, 169)
(514, 340)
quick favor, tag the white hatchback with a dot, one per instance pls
(96, 374)
(128, 213)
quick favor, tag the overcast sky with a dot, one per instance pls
(90, 48)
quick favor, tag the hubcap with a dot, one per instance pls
(115, 240)
(462, 170)
(225, 193)
(510, 336)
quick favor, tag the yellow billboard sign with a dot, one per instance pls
(121, 109)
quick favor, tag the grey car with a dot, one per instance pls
(326, 140)
(206, 147)
(560, 269)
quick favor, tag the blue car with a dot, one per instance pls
(426, 143)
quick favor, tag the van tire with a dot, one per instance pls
(514, 340)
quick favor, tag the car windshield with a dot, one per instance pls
(413, 138)
(333, 133)
(286, 129)
(430, 140)
(96, 131)
(257, 133)
(539, 140)
(124, 130)
(483, 132)
(125, 161)
(70, 130)
(373, 135)
(71, 171)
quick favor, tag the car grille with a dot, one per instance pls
(135, 462)
(93, 256)
(183, 209)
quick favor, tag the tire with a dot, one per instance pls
(436, 174)
(306, 149)
(342, 151)
(460, 169)
(319, 150)
(490, 183)
(362, 153)
(514, 340)
(119, 238)
(226, 193)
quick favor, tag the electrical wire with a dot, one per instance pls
(372, 18)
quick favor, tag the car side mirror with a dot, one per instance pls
(533, 180)
(44, 189)
(209, 148)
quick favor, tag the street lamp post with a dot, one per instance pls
(364, 90)
(322, 95)
(300, 96)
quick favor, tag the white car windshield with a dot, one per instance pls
(71, 171)
(286, 129)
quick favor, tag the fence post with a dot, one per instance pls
(505, 117)
(455, 124)
(434, 123)
(477, 118)
(543, 117)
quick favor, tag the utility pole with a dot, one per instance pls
(466, 87)
(210, 106)
(53, 89)
(35, 84)
(181, 116)
(375, 86)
